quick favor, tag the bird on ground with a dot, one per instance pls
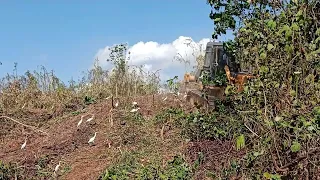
(135, 110)
(57, 168)
(24, 144)
(165, 99)
(90, 119)
(185, 95)
(80, 121)
(91, 140)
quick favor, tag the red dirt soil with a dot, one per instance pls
(66, 143)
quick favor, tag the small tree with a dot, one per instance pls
(118, 57)
(196, 54)
(173, 85)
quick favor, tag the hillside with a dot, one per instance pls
(120, 133)
(264, 127)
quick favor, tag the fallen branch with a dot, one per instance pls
(301, 158)
(286, 167)
(282, 169)
(225, 152)
(246, 111)
(251, 130)
(110, 118)
(25, 125)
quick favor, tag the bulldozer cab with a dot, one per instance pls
(214, 61)
(214, 64)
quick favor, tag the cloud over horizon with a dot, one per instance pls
(154, 56)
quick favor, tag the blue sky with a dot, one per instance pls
(65, 36)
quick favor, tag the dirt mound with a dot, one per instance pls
(66, 142)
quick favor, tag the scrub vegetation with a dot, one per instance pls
(268, 131)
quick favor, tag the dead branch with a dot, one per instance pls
(286, 167)
(112, 102)
(251, 131)
(301, 158)
(282, 169)
(25, 125)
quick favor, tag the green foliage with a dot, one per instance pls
(240, 142)
(118, 56)
(281, 42)
(169, 114)
(130, 169)
(88, 100)
(121, 170)
(199, 126)
(9, 171)
(220, 79)
(177, 169)
(172, 84)
(272, 176)
(295, 147)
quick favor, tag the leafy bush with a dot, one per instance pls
(9, 171)
(130, 169)
(220, 79)
(280, 41)
(198, 126)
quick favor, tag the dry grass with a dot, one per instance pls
(39, 106)
(43, 90)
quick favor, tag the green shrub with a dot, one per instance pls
(130, 169)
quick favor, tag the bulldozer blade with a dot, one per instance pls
(196, 99)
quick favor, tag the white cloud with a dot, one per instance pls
(155, 56)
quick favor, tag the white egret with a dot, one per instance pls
(135, 110)
(24, 144)
(80, 121)
(108, 97)
(90, 119)
(185, 95)
(165, 99)
(91, 140)
(57, 168)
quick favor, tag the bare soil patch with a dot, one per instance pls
(66, 143)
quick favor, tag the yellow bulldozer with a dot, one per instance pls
(216, 62)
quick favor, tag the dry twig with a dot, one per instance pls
(25, 125)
